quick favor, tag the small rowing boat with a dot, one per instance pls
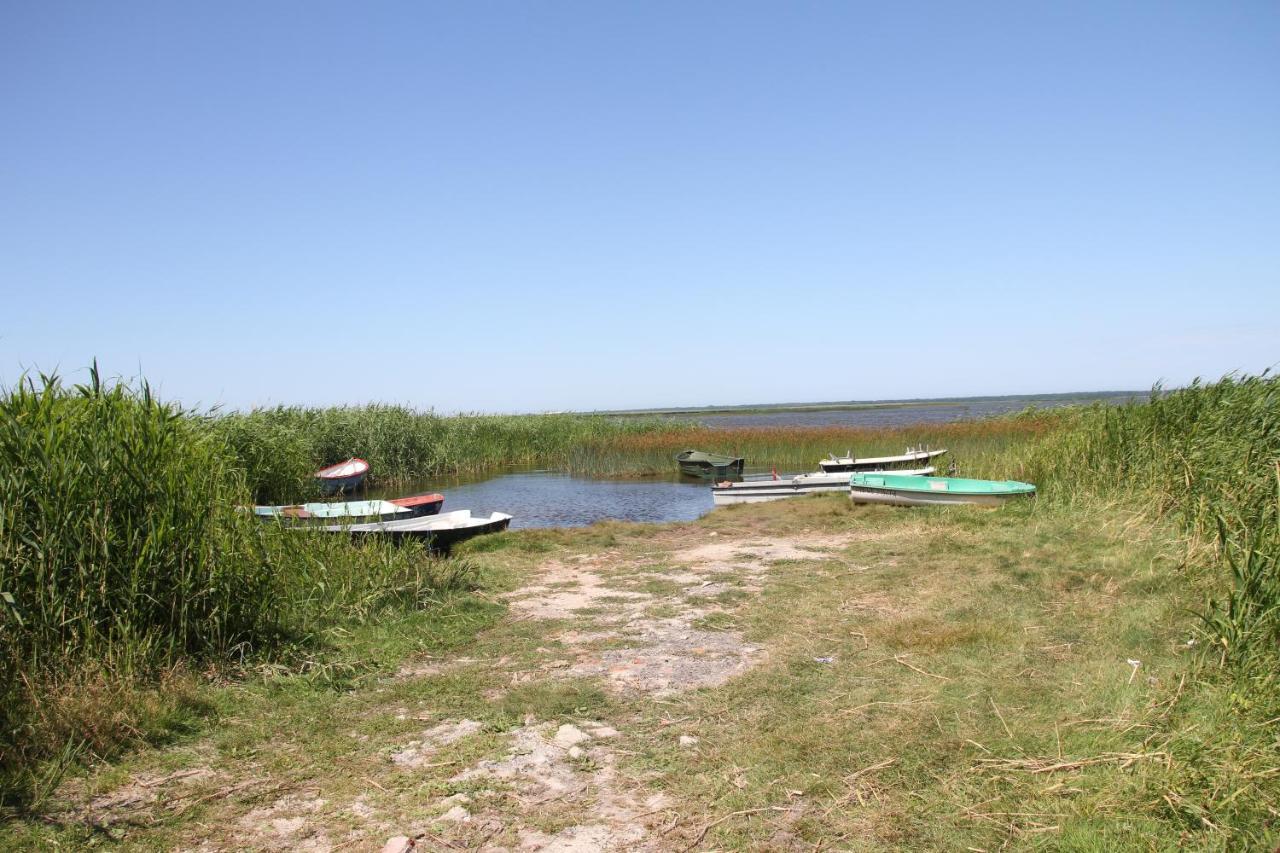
(899, 490)
(336, 511)
(440, 532)
(756, 490)
(913, 458)
(421, 505)
(696, 463)
(355, 511)
(343, 477)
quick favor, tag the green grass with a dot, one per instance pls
(124, 559)
(136, 604)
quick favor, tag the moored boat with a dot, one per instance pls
(697, 463)
(439, 532)
(421, 505)
(901, 490)
(343, 477)
(772, 489)
(912, 458)
(338, 511)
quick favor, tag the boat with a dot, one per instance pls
(421, 505)
(337, 511)
(343, 477)
(913, 458)
(439, 532)
(756, 490)
(355, 511)
(900, 490)
(696, 463)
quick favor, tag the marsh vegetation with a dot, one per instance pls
(980, 691)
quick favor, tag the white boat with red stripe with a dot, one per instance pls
(343, 477)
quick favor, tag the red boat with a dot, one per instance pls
(421, 504)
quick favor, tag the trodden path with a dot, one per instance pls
(798, 676)
(429, 758)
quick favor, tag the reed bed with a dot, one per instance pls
(1207, 457)
(281, 448)
(123, 555)
(979, 448)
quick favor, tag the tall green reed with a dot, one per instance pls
(281, 448)
(123, 553)
(1206, 456)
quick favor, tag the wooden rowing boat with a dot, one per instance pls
(900, 490)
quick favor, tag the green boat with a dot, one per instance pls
(934, 491)
(696, 463)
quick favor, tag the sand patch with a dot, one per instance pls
(417, 753)
(569, 770)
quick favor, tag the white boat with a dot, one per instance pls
(771, 489)
(343, 477)
(438, 531)
(849, 464)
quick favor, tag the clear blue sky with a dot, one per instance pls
(529, 206)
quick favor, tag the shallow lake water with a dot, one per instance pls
(537, 498)
(897, 415)
(550, 499)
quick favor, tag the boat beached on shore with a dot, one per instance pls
(440, 533)
(354, 511)
(767, 488)
(900, 490)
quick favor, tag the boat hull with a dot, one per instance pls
(897, 490)
(759, 491)
(347, 512)
(341, 485)
(707, 471)
(439, 533)
(420, 505)
(870, 465)
(344, 477)
(696, 463)
(900, 497)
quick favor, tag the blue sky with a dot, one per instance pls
(538, 206)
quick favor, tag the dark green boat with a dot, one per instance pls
(695, 463)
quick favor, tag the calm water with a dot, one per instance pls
(924, 413)
(548, 499)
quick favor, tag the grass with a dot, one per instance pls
(124, 562)
(980, 693)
